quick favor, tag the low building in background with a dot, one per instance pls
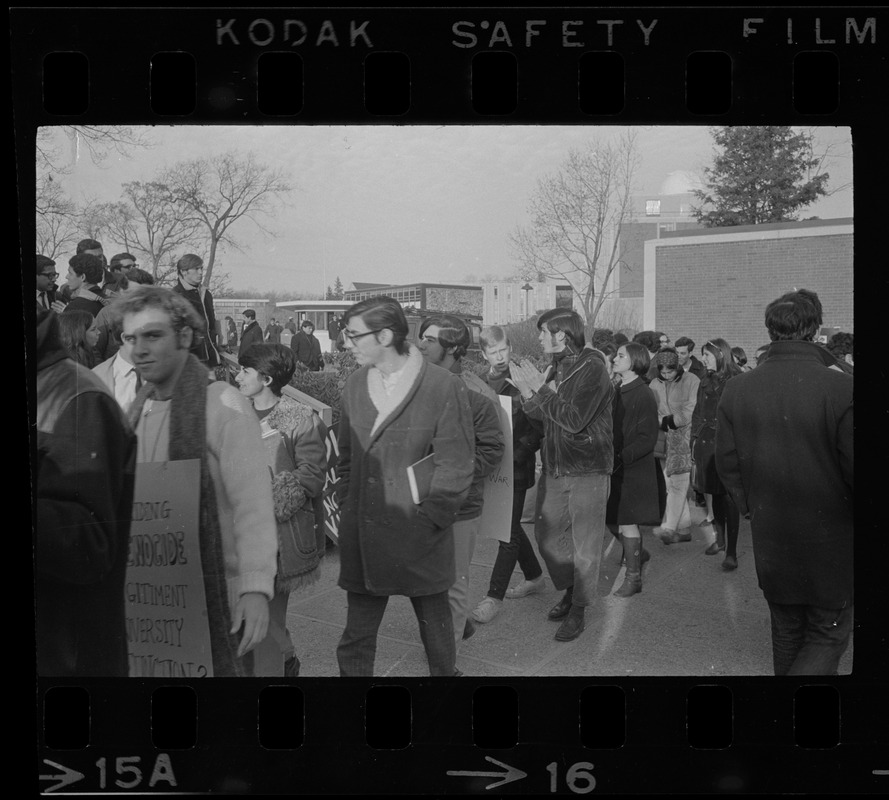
(446, 297)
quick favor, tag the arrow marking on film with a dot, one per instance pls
(511, 774)
(67, 776)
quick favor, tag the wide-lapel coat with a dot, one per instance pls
(389, 545)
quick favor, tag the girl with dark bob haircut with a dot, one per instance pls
(271, 360)
(640, 358)
(294, 439)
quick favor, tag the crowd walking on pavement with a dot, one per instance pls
(611, 435)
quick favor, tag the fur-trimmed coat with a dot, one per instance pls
(389, 545)
(294, 436)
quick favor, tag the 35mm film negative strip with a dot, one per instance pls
(560, 723)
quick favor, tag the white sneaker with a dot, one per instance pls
(526, 587)
(487, 609)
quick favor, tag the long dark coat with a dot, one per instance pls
(634, 491)
(387, 544)
(784, 451)
(251, 335)
(703, 437)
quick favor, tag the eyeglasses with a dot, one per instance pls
(353, 336)
(50, 275)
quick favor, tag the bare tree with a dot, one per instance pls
(216, 192)
(149, 221)
(577, 215)
(56, 218)
(97, 141)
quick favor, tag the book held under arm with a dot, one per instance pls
(419, 476)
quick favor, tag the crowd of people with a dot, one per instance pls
(616, 435)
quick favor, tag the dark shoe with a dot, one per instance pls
(729, 563)
(560, 610)
(468, 629)
(573, 625)
(291, 667)
(713, 549)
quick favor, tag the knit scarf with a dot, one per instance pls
(188, 439)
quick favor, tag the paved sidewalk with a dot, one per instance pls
(690, 619)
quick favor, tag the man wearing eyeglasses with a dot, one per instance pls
(190, 269)
(46, 281)
(121, 262)
(397, 410)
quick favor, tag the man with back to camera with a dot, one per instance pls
(179, 415)
(443, 341)
(397, 409)
(578, 455)
(84, 478)
(784, 450)
(190, 273)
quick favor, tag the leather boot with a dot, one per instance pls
(573, 625)
(633, 578)
(560, 610)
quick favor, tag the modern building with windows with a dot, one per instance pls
(453, 298)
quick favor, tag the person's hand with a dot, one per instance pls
(527, 378)
(252, 611)
(58, 306)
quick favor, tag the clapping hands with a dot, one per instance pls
(527, 378)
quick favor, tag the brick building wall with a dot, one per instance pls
(717, 283)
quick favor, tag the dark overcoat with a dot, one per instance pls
(634, 490)
(252, 334)
(703, 436)
(784, 451)
(388, 545)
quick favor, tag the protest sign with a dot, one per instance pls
(166, 609)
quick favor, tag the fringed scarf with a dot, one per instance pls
(188, 439)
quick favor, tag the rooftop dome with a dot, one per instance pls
(681, 182)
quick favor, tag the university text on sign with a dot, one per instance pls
(166, 609)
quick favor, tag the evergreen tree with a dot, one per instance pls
(338, 290)
(328, 295)
(763, 174)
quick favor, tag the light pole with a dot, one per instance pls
(527, 288)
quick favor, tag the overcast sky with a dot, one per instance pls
(409, 203)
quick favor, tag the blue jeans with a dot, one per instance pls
(807, 640)
(517, 549)
(357, 649)
(569, 524)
